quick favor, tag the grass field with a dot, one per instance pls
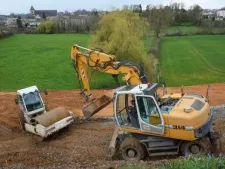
(192, 60)
(191, 30)
(183, 29)
(43, 60)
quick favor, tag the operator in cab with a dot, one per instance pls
(133, 116)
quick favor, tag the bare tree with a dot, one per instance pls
(195, 14)
(159, 17)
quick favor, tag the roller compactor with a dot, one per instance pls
(35, 118)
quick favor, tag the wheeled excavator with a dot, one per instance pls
(171, 124)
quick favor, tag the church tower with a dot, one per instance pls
(32, 10)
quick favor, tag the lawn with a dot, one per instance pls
(192, 30)
(43, 60)
(192, 60)
(183, 29)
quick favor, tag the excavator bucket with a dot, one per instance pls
(95, 106)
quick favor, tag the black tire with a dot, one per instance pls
(132, 150)
(22, 120)
(197, 147)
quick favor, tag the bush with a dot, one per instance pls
(219, 24)
(179, 33)
(205, 32)
(47, 27)
(5, 34)
(154, 50)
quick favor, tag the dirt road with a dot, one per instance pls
(82, 145)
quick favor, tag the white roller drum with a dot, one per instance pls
(52, 116)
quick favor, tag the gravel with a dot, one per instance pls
(218, 110)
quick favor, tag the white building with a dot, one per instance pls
(11, 22)
(221, 13)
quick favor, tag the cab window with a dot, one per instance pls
(32, 101)
(148, 110)
(126, 111)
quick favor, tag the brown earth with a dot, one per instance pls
(82, 145)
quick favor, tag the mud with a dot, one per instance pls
(82, 145)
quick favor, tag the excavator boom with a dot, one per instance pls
(133, 74)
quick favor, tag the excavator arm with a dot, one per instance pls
(133, 73)
(106, 63)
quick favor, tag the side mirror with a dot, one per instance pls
(45, 102)
(16, 101)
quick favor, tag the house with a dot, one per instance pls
(40, 14)
(2, 20)
(209, 13)
(29, 20)
(221, 13)
(11, 22)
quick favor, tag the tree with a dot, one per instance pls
(43, 16)
(94, 12)
(159, 17)
(12, 15)
(19, 22)
(125, 7)
(136, 8)
(92, 20)
(47, 27)
(121, 33)
(140, 8)
(195, 14)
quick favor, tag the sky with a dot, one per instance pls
(23, 6)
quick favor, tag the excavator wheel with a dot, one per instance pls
(132, 150)
(197, 147)
(21, 119)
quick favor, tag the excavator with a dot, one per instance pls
(147, 124)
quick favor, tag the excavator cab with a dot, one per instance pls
(134, 110)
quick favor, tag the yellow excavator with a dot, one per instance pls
(147, 124)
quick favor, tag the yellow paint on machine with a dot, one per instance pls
(178, 119)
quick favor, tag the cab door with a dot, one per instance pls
(149, 114)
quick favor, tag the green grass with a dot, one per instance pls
(190, 162)
(196, 163)
(192, 60)
(148, 42)
(192, 30)
(183, 29)
(43, 60)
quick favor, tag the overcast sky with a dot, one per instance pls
(23, 6)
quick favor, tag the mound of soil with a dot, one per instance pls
(82, 145)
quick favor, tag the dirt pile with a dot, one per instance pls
(83, 145)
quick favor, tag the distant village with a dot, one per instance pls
(79, 20)
(35, 17)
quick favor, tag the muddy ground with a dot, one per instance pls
(82, 145)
